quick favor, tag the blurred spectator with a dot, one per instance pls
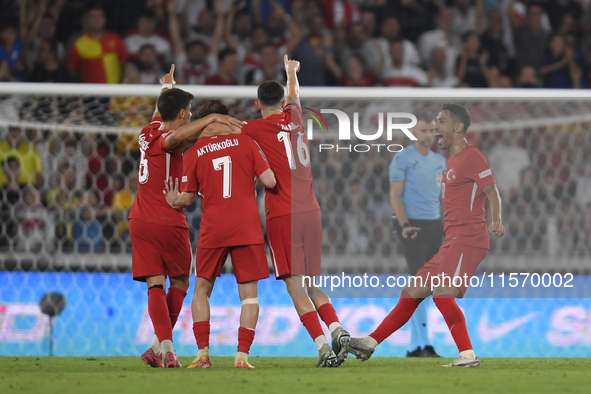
(507, 159)
(467, 16)
(228, 65)
(36, 227)
(146, 35)
(529, 37)
(528, 78)
(583, 193)
(209, 26)
(354, 74)
(238, 28)
(191, 10)
(557, 10)
(492, 41)
(12, 64)
(442, 37)
(98, 54)
(559, 69)
(358, 43)
(10, 197)
(65, 150)
(26, 153)
(401, 74)
(271, 68)
(87, 230)
(43, 27)
(471, 66)
(195, 61)
(312, 51)
(416, 17)
(390, 30)
(284, 33)
(150, 69)
(47, 68)
(438, 76)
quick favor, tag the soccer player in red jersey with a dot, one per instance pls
(222, 169)
(294, 228)
(471, 205)
(157, 254)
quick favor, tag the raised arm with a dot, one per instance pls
(292, 67)
(229, 26)
(396, 189)
(219, 28)
(174, 29)
(167, 82)
(294, 29)
(175, 199)
(493, 210)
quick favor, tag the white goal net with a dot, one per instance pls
(69, 158)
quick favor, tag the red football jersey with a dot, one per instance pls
(285, 143)
(156, 164)
(223, 169)
(463, 200)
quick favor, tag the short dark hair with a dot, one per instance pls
(147, 46)
(224, 53)
(212, 106)
(192, 43)
(425, 115)
(458, 113)
(270, 93)
(171, 102)
(9, 160)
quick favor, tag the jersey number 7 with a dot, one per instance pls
(225, 163)
(302, 148)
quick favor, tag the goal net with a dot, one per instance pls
(70, 161)
(69, 157)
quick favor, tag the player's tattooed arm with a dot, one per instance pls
(493, 210)
(192, 131)
(219, 129)
(175, 199)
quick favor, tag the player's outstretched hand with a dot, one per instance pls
(497, 229)
(171, 191)
(168, 78)
(291, 65)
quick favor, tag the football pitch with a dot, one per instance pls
(288, 375)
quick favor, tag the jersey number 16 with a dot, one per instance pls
(302, 148)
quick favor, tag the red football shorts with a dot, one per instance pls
(296, 243)
(453, 261)
(159, 250)
(249, 262)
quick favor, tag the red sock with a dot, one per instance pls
(328, 314)
(401, 313)
(245, 338)
(201, 331)
(158, 311)
(312, 324)
(174, 300)
(456, 322)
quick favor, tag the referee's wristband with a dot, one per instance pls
(166, 85)
(407, 224)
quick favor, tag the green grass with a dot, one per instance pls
(287, 375)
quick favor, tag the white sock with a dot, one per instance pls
(321, 340)
(241, 355)
(334, 326)
(203, 351)
(469, 354)
(369, 341)
(156, 345)
(166, 346)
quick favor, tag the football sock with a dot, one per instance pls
(156, 345)
(203, 351)
(419, 335)
(245, 338)
(241, 355)
(201, 332)
(166, 346)
(396, 318)
(158, 311)
(312, 324)
(329, 317)
(320, 341)
(456, 322)
(174, 300)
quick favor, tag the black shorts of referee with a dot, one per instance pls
(426, 244)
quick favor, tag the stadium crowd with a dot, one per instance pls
(71, 191)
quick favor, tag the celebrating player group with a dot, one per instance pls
(225, 157)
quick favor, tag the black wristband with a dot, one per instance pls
(407, 224)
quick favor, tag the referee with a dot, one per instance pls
(415, 188)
